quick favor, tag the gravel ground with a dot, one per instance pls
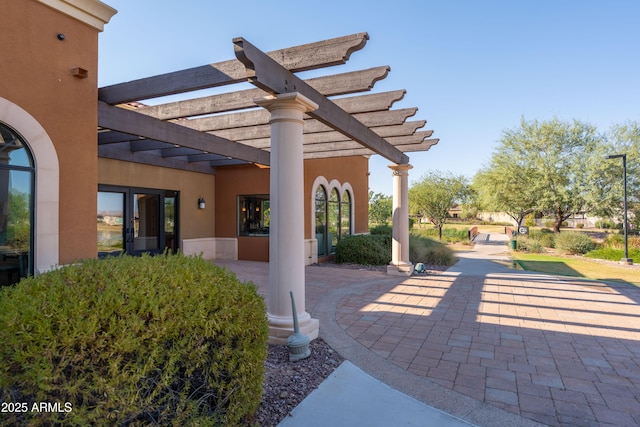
(287, 383)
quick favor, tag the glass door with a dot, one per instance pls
(135, 221)
(111, 223)
(145, 224)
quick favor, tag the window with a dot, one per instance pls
(332, 218)
(345, 215)
(16, 207)
(321, 220)
(253, 215)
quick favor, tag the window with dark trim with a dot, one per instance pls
(254, 215)
(16, 207)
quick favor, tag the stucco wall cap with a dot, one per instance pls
(92, 12)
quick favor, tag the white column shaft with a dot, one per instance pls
(286, 231)
(400, 263)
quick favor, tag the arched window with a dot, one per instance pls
(334, 220)
(345, 215)
(16, 207)
(321, 221)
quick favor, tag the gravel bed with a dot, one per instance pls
(287, 383)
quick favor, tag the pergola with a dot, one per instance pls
(319, 117)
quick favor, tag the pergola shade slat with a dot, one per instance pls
(300, 58)
(270, 76)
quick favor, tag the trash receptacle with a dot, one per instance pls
(514, 244)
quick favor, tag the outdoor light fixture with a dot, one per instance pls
(201, 203)
(626, 259)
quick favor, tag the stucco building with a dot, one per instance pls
(88, 172)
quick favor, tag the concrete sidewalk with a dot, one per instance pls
(350, 397)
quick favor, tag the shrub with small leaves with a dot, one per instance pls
(366, 249)
(164, 340)
(573, 242)
(525, 244)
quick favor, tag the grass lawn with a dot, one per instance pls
(576, 267)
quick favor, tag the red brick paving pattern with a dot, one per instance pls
(563, 353)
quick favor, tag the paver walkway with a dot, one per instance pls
(559, 351)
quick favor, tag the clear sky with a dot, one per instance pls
(473, 68)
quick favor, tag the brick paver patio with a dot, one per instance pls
(561, 352)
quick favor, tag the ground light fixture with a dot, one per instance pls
(626, 259)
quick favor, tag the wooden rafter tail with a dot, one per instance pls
(271, 77)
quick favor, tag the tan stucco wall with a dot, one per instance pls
(36, 75)
(231, 182)
(193, 222)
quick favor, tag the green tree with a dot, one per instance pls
(434, 195)
(380, 208)
(551, 167)
(622, 139)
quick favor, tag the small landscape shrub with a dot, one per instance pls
(526, 244)
(449, 235)
(385, 229)
(165, 340)
(612, 254)
(366, 249)
(574, 243)
(429, 251)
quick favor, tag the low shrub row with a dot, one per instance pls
(375, 249)
(164, 340)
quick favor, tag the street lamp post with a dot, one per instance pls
(626, 259)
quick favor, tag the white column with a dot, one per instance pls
(400, 264)
(286, 231)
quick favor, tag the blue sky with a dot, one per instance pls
(473, 68)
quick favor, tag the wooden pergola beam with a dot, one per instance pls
(375, 119)
(353, 104)
(299, 58)
(119, 119)
(424, 146)
(337, 84)
(265, 73)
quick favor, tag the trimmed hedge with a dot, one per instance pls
(366, 249)
(166, 340)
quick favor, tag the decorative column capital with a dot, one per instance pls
(292, 100)
(402, 169)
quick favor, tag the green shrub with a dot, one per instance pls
(449, 235)
(613, 254)
(605, 224)
(573, 242)
(167, 340)
(428, 251)
(545, 237)
(366, 249)
(384, 229)
(526, 244)
(615, 241)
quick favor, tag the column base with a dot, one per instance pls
(278, 334)
(400, 269)
(626, 261)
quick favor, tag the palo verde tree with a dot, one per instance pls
(550, 167)
(434, 195)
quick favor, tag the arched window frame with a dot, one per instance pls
(46, 195)
(342, 189)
